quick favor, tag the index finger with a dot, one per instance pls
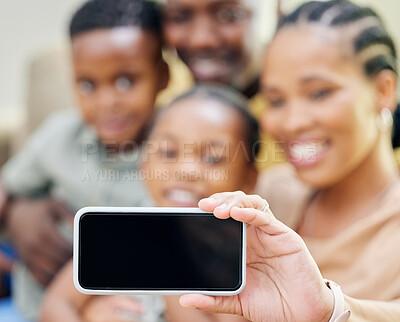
(266, 221)
(222, 203)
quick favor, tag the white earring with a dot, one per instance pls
(384, 120)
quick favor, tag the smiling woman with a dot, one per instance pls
(325, 102)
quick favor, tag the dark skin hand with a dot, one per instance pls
(32, 224)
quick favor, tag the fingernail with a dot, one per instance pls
(223, 206)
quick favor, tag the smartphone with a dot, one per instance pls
(120, 250)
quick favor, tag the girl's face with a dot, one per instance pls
(196, 148)
(322, 106)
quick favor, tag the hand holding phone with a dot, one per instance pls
(283, 281)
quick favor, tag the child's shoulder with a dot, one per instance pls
(64, 125)
(64, 120)
(62, 132)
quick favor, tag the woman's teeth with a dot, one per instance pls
(306, 151)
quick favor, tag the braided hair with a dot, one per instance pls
(371, 41)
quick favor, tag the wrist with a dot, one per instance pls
(326, 304)
(338, 313)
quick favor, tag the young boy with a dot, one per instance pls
(202, 143)
(80, 157)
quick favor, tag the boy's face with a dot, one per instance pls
(118, 74)
(197, 148)
(211, 37)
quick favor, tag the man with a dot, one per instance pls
(216, 40)
(219, 42)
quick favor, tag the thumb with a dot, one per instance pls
(213, 304)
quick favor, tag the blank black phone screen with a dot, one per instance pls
(159, 251)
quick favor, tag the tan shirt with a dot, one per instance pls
(364, 258)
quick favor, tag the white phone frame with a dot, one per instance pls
(127, 210)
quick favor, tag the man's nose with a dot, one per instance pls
(203, 33)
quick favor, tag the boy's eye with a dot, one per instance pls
(123, 83)
(86, 86)
(231, 15)
(320, 94)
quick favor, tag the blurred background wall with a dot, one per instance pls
(26, 28)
